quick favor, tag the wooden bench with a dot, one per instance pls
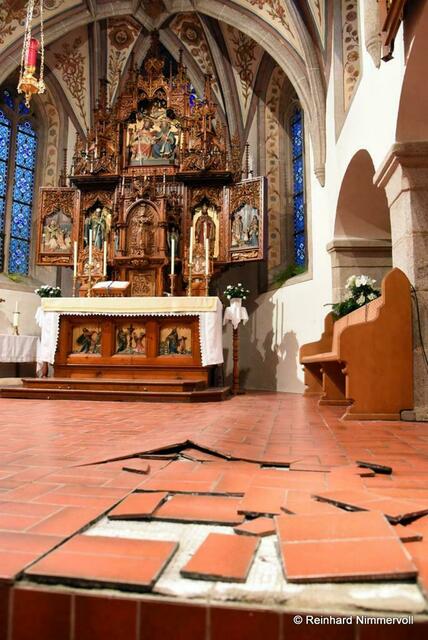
(365, 359)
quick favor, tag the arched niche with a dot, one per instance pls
(362, 231)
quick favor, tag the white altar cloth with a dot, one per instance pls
(18, 348)
(208, 309)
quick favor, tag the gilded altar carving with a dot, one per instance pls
(141, 230)
(58, 215)
(144, 284)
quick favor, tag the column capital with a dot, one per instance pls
(404, 168)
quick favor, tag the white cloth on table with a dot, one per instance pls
(48, 322)
(18, 348)
(235, 314)
(210, 328)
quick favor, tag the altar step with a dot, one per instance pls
(170, 390)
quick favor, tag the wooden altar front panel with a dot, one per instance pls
(101, 336)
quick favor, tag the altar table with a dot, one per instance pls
(120, 337)
(18, 348)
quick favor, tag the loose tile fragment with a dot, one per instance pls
(137, 466)
(105, 562)
(137, 506)
(203, 509)
(222, 557)
(258, 527)
(377, 468)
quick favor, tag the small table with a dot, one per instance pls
(18, 348)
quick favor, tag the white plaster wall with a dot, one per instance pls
(282, 320)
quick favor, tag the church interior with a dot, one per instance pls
(213, 319)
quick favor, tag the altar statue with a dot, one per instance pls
(206, 227)
(165, 141)
(142, 139)
(100, 223)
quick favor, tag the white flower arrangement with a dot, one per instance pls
(359, 291)
(236, 291)
(46, 291)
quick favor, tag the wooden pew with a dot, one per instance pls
(365, 359)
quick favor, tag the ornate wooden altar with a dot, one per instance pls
(156, 164)
(160, 196)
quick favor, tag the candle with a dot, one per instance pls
(75, 259)
(105, 259)
(205, 231)
(90, 246)
(44, 240)
(15, 320)
(172, 256)
(33, 48)
(207, 257)
(16, 306)
(123, 185)
(191, 245)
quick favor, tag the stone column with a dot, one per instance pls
(404, 176)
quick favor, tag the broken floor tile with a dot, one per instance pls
(106, 562)
(346, 560)
(137, 466)
(258, 527)
(137, 506)
(203, 509)
(222, 557)
(377, 468)
(263, 501)
(407, 534)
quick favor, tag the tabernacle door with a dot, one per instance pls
(247, 227)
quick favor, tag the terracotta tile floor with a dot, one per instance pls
(47, 496)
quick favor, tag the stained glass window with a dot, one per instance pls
(18, 149)
(5, 128)
(299, 207)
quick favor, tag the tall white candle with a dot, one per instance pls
(205, 231)
(16, 306)
(172, 256)
(191, 245)
(75, 259)
(15, 321)
(90, 246)
(207, 257)
(105, 259)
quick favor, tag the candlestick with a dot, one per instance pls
(207, 257)
(172, 256)
(15, 321)
(172, 277)
(90, 247)
(189, 288)
(191, 245)
(75, 259)
(105, 259)
(89, 292)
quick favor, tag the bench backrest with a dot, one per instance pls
(366, 313)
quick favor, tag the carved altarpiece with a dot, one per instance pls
(155, 164)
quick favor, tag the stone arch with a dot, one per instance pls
(362, 230)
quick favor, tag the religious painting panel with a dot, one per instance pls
(131, 338)
(87, 339)
(246, 213)
(175, 340)
(57, 225)
(152, 136)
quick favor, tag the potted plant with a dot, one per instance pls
(45, 291)
(359, 291)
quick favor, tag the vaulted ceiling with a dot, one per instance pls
(238, 42)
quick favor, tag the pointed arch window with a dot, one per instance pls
(18, 154)
(298, 190)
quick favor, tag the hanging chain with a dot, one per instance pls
(27, 36)
(42, 51)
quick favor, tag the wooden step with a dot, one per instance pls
(106, 384)
(211, 394)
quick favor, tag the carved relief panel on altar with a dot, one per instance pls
(131, 338)
(87, 339)
(57, 225)
(175, 340)
(153, 137)
(246, 230)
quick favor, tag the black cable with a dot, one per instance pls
(418, 315)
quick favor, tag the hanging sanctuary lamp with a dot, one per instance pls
(28, 83)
